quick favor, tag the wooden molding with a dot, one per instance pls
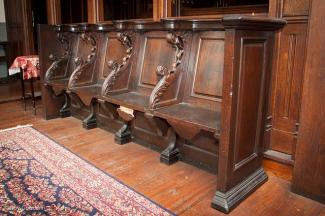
(95, 11)
(53, 11)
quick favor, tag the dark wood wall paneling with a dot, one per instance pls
(21, 19)
(284, 108)
(127, 9)
(213, 7)
(19, 28)
(309, 170)
(74, 11)
(53, 8)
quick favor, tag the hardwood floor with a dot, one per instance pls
(182, 188)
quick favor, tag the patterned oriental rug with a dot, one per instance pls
(40, 177)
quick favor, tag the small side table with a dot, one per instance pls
(28, 67)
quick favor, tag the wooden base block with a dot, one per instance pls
(169, 157)
(63, 113)
(123, 135)
(225, 202)
(90, 124)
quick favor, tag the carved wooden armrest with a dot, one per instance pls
(57, 62)
(167, 76)
(81, 64)
(116, 69)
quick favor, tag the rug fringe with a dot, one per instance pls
(16, 127)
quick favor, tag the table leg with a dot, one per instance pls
(23, 87)
(33, 95)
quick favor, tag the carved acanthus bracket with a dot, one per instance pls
(58, 62)
(116, 69)
(80, 63)
(167, 76)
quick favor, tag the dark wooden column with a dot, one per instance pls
(309, 169)
(161, 9)
(95, 11)
(53, 11)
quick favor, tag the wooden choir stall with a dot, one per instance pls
(195, 90)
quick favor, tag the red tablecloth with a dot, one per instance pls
(29, 65)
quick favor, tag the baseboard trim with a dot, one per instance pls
(227, 201)
(279, 157)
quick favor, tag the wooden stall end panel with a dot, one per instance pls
(245, 95)
(51, 104)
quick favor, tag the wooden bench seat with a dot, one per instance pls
(205, 119)
(132, 99)
(60, 83)
(88, 92)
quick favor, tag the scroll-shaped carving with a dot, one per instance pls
(82, 64)
(126, 39)
(168, 76)
(58, 63)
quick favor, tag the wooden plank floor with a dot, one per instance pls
(182, 188)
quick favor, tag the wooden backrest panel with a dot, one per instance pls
(154, 51)
(73, 38)
(84, 50)
(65, 42)
(205, 71)
(58, 55)
(114, 51)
